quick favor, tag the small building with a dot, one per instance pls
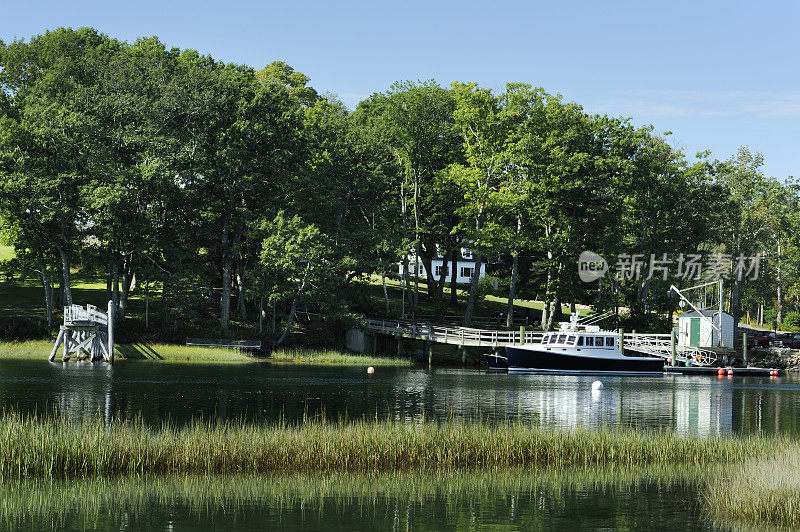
(695, 329)
(465, 265)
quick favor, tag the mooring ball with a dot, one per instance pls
(370, 370)
(721, 371)
(597, 385)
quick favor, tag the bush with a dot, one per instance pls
(792, 319)
(20, 328)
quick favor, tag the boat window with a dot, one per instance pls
(545, 338)
(610, 341)
(561, 338)
(552, 338)
(580, 340)
(571, 339)
(590, 341)
(598, 341)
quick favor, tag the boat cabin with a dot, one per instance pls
(580, 339)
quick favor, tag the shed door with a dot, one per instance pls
(694, 332)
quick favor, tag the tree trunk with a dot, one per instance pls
(736, 298)
(290, 320)
(780, 287)
(240, 284)
(454, 277)
(261, 315)
(473, 290)
(65, 273)
(385, 293)
(512, 287)
(225, 300)
(127, 281)
(48, 293)
(115, 287)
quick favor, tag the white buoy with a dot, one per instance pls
(370, 370)
(597, 385)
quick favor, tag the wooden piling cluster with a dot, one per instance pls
(87, 333)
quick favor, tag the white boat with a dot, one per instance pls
(576, 350)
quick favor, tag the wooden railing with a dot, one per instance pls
(452, 333)
(90, 314)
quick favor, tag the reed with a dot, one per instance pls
(57, 447)
(761, 491)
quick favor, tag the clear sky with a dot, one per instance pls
(717, 74)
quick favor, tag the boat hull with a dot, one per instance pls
(532, 359)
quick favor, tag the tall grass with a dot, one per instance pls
(331, 356)
(763, 491)
(55, 447)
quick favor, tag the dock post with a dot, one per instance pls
(399, 346)
(621, 340)
(521, 334)
(67, 338)
(744, 349)
(429, 349)
(111, 331)
(463, 353)
(673, 352)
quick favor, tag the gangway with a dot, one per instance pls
(659, 345)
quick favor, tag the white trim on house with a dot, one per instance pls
(464, 269)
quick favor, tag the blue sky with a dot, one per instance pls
(715, 74)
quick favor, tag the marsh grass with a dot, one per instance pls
(27, 350)
(57, 447)
(762, 491)
(331, 356)
(54, 500)
(180, 353)
(40, 349)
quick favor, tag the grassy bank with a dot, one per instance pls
(763, 491)
(31, 447)
(40, 349)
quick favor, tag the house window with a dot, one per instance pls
(437, 271)
(466, 272)
(466, 253)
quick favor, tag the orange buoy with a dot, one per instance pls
(721, 371)
(370, 370)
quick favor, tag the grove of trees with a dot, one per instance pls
(213, 184)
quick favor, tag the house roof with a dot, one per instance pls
(706, 312)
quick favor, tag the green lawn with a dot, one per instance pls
(6, 252)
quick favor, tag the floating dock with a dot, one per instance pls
(741, 372)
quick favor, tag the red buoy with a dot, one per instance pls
(721, 371)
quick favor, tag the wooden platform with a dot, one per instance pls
(740, 372)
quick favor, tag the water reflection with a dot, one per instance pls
(157, 392)
(517, 499)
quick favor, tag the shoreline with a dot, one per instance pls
(172, 353)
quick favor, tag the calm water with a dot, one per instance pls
(567, 500)
(179, 392)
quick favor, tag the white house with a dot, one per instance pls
(465, 265)
(696, 330)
